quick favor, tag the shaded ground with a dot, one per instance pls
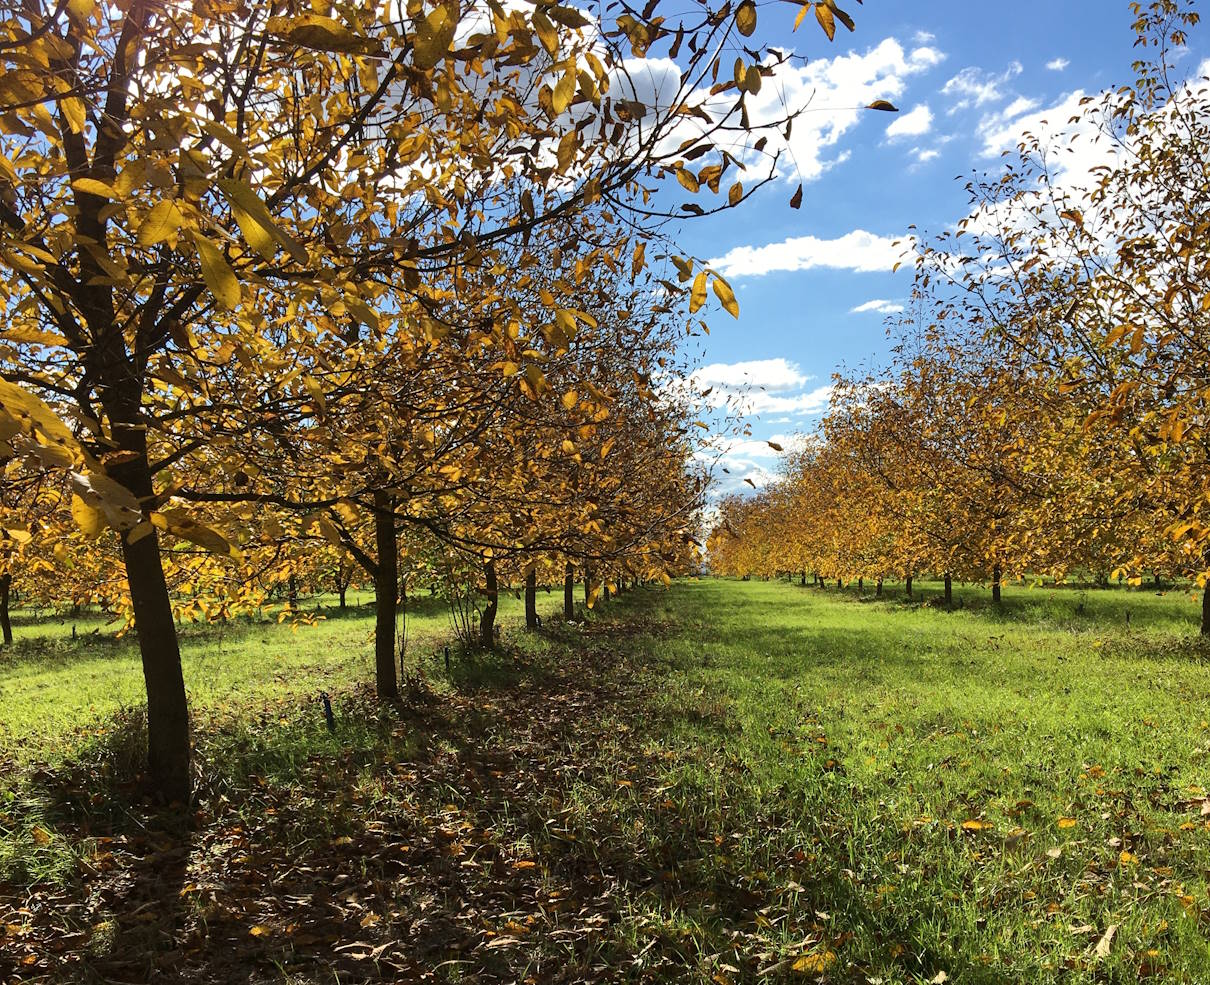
(429, 845)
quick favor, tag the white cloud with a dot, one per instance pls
(878, 305)
(1057, 64)
(859, 251)
(773, 374)
(1004, 130)
(918, 121)
(924, 37)
(925, 154)
(831, 90)
(973, 87)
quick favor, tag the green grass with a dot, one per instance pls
(57, 689)
(731, 781)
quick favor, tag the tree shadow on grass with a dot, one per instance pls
(530, 825)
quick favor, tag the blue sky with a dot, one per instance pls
(968, 78)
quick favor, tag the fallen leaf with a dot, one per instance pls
(1106, 941)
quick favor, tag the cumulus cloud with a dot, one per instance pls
(925, 154)
(859, 251)
(773, 374)
(974, 87)
(879, 306)
(833, 90)
(1057, 64)
(919, 121)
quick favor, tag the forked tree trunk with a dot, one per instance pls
(487, 621)
(569, 589)
(6, 582)
(386, 597)
(949, 589)
(531, 600)
(996, 584)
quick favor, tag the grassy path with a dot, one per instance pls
(727, 782)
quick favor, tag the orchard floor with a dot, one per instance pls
(728, 782)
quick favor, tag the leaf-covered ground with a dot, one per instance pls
(728, 782)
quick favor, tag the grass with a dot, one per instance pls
(731, 781)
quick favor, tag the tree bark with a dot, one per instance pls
(531, 600)
(996, 584)
(587, 585)
(878, 589)
(949, 589)
(1206, 609)
(487, 621)
(386, 597)
(861, 584)
(168, 744)
(803, 580)
(6, 582)
(569, 590)
(908, 586)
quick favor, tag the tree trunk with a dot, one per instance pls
(996, 584)
(386, 597)
(587, 585)
(803, 580)
(569, 589)
(1206, 609)
(487, 621)
(6, 582)
(168, 746)
(861, 584)
(293, 592)
(531, 600)
(878, 589)
(949, 589)
(839, 583)
(908, 586)
(341, 586)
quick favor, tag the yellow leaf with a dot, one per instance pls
(823, 14)
(697, 295)
(726, 296)
(88, 519)
(318, 32)
(161, 222)
(570, 399)
(219, 276)
(745, 18)
(815, 963)
(569, 447)
(433, 38)
(40, 835)
(687, 179)
(256, 223)
(975, 825)
(260, 930)
(565, 90)
(547, 33)
(74, 112)
(1067, 822)
(180, 524)
(91, 186)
